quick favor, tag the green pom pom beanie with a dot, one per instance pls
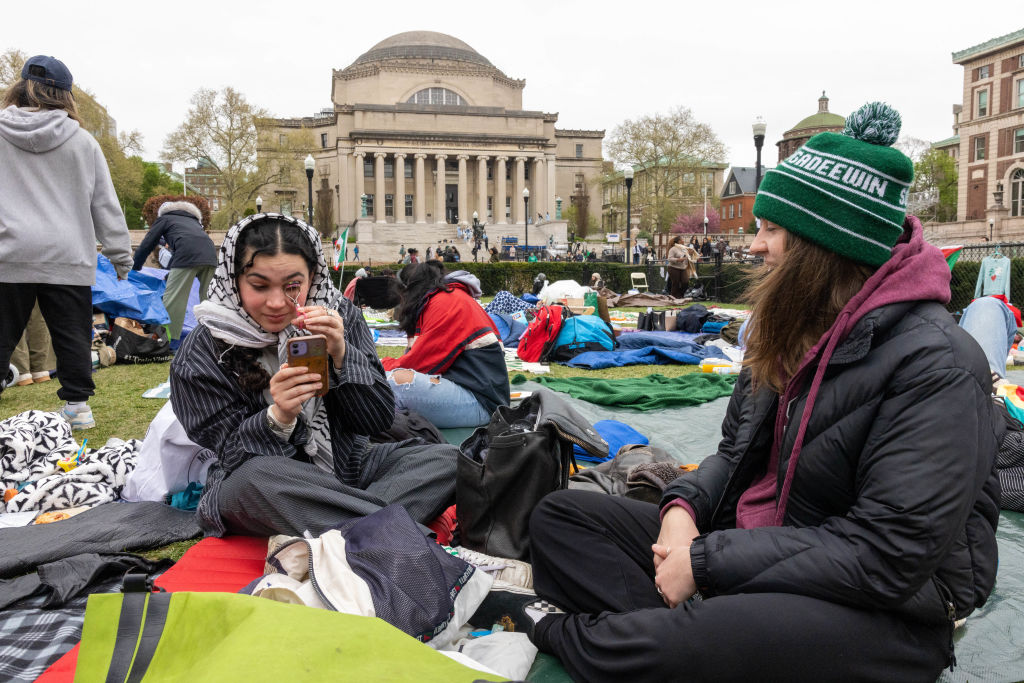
(844, 192)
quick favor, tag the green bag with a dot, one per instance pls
(139, 636)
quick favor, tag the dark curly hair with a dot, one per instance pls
(417, 280)
(267, 237)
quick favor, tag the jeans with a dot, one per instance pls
(441, 401)
(993, 326)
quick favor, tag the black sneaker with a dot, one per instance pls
(511, 609)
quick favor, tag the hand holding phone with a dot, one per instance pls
(310, 352)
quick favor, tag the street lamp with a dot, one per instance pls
(259, 204)
(759, 129)
(526, 213)
(628, 175)
(310, 164)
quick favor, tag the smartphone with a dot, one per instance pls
(311, 352)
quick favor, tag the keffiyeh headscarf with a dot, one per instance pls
(223, 315)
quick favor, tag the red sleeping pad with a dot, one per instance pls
(212, 565)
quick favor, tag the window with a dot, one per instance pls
(732, 211)
(442, 96)
(579, 183)
(739, 211)
(389, 168)
(323, 139)
(286, 208)
(1020, 93)
(579, 151)
(389, 205)
(1018, 141)
(490, 171)
(490, 208)
(732, 187)
(282, 139)
(983, 71)
(369, 205)
(286, 174)
(508, 208)
(526, 170)
(408, 169)
(1020, 62)
(408, 205)
(979, 148)
(982, 103)
(367, 167)
(1017, 193)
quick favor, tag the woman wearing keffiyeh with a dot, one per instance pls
(288, 461)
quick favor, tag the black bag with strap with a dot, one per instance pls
(506, 467)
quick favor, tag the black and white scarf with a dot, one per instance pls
(223, 315)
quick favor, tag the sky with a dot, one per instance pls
(594, 63)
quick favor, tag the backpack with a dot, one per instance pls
(539, 339)
(582, 333)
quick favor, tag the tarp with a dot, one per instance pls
(193, 298)
(139, 296)
(686, 353)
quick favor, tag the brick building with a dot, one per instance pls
(206, 180)
(736, 211)
(819, 122)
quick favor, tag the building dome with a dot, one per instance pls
(821, 119)
(422, 45)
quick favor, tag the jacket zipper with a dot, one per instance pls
(312, 576)
(732, 475)
(947, 601)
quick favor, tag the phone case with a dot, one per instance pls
(314, 357)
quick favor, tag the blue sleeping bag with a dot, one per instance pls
(510, 327)
(582, 333)
(617, 434)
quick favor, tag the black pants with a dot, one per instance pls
(678, 279)
(67, 310)
(592, 555)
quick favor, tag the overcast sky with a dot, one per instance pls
(595, 63)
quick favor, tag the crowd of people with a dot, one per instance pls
(845, 523)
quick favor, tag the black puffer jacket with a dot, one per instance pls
(179, 225)
(894, 500)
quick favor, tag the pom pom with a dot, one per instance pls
(875, 122)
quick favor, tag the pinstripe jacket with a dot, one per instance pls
(217, 414)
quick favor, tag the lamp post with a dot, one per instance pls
(991, 224)
(310, 164)
(526, 213)
(259, 204)
(759, 129)
(628, 175)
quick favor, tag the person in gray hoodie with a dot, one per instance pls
(56, 202)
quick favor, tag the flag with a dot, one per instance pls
(952, 254)
(339, 250)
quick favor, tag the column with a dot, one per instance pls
(517, 198)
(399, 187)
(378, 177)
(359, 184)
(463, 189)
(420, 201)
(481, 187)
(499, 190)
(439, 209)
(550, 158)
(538, 187)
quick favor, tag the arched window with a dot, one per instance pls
(1017, 193)
(436, 96)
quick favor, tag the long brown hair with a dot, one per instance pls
(31, 94)
(792, 305)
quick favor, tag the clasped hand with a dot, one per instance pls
(673, 575)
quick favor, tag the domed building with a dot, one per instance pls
(425, 131)
(819, 122)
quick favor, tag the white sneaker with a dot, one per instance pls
(80, 420)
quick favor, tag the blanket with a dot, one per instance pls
(641, 299)
(643, 393)
(687, 353)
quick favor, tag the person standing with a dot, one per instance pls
(401, 252)
(678, 268)
(486, 243)
(355, 253)
(56, 202)
(179, 222)
(512, 253)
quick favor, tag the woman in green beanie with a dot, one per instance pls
(847, 519)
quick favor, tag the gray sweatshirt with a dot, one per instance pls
(56, 201)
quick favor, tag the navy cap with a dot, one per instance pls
(48, 71)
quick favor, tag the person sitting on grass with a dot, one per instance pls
(848, 519)
(453, 372)
(290, 461)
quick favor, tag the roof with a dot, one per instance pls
(822, 119)
(988, 46)
(745, 178)
(422, 45)
(948, 142)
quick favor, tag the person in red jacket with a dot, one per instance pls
(453, 371)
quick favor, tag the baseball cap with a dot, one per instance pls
(48, 71)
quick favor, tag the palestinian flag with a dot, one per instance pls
(952, 254)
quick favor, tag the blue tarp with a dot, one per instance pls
(686, 354)
(193, 298)
(139, 296)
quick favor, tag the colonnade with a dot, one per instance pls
(469, 198)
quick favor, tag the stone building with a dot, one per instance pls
(423, 132)
(819, 122)
(207, 181)
(991, 132)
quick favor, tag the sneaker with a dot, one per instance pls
(513, 610)
(24, 380)
(79, 420)
(38, 377)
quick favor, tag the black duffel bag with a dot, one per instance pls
(136, 342)
(506, 467)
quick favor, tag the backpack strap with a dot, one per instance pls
(142, 613)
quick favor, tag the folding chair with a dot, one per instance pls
(638, 281)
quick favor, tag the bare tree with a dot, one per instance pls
(224, 129)
(668, 152)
